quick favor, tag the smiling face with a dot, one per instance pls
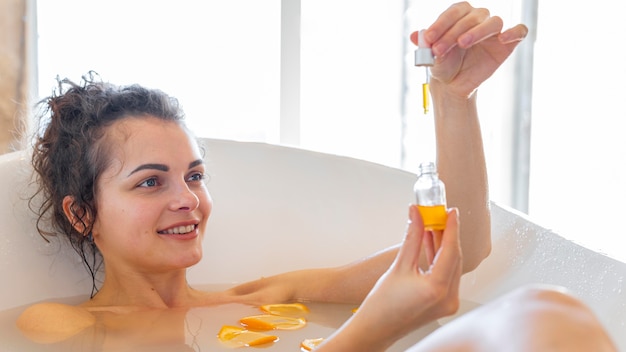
(152, 202)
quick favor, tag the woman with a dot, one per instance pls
(122, 176)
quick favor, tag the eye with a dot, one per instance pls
(197, 176)
(151, 182)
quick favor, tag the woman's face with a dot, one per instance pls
(152, 203)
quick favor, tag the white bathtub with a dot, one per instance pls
(279, 208)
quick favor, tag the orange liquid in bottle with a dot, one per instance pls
(435, 216)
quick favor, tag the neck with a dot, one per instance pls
(154, 290)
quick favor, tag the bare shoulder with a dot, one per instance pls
(53, 322)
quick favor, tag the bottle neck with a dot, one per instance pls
(427, 169)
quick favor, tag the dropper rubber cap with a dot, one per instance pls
(423, 54)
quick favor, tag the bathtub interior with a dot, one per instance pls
(279, 208)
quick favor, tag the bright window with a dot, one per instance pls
(358, 91)
(578, 168)
(221, 59)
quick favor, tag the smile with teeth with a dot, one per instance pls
(178, 230)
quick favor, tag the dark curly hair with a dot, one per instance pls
(70, 152)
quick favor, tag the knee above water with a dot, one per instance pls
(548, 297)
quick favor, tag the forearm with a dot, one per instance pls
(349, 283)
(461, 165)
(345, 284)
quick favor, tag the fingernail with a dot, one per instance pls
(455, 210)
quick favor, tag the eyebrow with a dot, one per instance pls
(162, 167)
(196, 163)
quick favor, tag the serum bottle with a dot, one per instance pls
(430, 194)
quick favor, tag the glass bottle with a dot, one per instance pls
(430, 194)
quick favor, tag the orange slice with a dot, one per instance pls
(271, 322)
(295, 310)
(234, 336)
(228, 332)
(310, 344)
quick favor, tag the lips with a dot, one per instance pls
(178, 230)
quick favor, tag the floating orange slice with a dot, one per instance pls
(234, 336)
(310, 344)
(296, 310)
(271, 322)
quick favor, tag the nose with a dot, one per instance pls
(184, 199)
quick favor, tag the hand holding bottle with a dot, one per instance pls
(406, 297)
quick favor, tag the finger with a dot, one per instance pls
(473, 28)
(467, 31)
(409, 253)
(454, 287)
(437, 235)
(429, 247)
(414, 38)
(487, 28)
(448, 259)
(453, 282)
(447, 20)
(512, 35)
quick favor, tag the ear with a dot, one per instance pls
(76, 216)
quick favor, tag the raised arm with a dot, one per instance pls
(469, 46)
